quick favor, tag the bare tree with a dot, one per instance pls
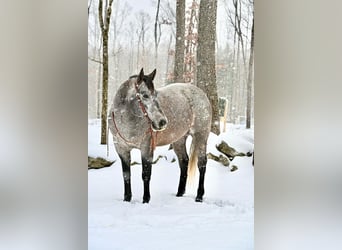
(191, 43)
(238, 14)
(131, 35)
(206, 65)
(143, 19)
(180, 46)
(156, 41)
(119, 16)
(170, 53)
(249, 79)
(89, 5)
(168, 17)
(95, 55)
(104, 24)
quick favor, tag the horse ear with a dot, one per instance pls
(153, 74)
(140, 76)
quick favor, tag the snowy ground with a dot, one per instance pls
(225, 219)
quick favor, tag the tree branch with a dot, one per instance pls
(95, 60)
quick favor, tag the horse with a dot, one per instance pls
(143, 117)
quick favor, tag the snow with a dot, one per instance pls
(225, 219)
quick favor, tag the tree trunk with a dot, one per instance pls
(180, 46)
(156, 36)
(168, 58)
(190, 45)
(98, 92)
(249, 80)
(104, 91)
(104, 24)
(206, 71)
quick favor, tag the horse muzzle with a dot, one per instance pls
(160, 125)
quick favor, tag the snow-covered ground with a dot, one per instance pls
(225, 219)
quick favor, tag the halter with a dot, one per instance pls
(149, 130)
(142, 107)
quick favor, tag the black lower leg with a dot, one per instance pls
(146, 176)
(126, 172)
(183, 176)
(200, 190)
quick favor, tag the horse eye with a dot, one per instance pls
(145, 96)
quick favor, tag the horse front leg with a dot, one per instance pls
(125, 157)
(146, 159)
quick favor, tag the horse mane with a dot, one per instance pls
(121, 95)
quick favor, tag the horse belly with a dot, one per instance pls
(168, 136)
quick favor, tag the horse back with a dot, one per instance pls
(187, 109)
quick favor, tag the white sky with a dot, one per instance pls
(149, 6)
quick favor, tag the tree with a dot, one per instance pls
(180, 46)
(104, 24)
(191, 42)
(206, 70)
(89, 5)
(119, 16)
(143, 20)
(249, 79)
(156, 41)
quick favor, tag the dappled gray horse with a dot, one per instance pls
(144, 117)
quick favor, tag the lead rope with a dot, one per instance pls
(153, 137)
(117, 130)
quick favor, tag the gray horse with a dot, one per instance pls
(144, 117)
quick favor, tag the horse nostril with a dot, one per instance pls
(162, 123)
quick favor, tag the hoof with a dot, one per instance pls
(128, 198)
(180, 194)
(199, 199)
(146, 200)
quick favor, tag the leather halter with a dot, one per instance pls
(150, 130)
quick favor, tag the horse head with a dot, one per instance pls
(148, 98)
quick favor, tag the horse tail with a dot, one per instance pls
(192, 165)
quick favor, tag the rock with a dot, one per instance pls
(233, 168)
(222, 159)
(249, 154)
(98, 162)
(158, 158)
(230, 152)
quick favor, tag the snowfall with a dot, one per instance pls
(224, 220)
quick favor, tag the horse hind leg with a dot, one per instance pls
(183, 159)
(200, 146)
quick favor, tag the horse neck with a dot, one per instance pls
(128, 114)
